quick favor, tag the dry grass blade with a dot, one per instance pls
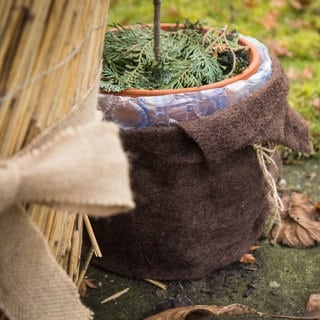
(157, 284)
(115, 296)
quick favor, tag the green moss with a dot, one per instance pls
(280, 283)
(304, 44)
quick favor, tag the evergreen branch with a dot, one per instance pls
(190, 57)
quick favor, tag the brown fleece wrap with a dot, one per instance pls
(201, 199)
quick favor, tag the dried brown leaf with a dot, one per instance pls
(270, 20)
(312, 175)
(299, 4)
(277, 48)
(292, 73)
(278, 3)
(316, 104)
(300, 24)
(307, 73)
(313, 306)
(197, 312)
(249, 3)
(295, 4)
(86, 283)
(303, 211)
(248, 258)
(300, 222)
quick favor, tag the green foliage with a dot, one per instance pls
(190, 57)
(298, 29)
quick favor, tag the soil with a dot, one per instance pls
(280, 282)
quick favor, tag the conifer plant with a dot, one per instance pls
(182, 56)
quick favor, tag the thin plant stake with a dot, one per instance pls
(156, 29)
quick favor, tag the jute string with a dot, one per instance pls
(78, 164)
(265, 159)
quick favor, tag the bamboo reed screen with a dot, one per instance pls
(49, 57)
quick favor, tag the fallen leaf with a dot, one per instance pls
(277, 48)
(270, 20)
(248, 258)
(300, 222)
(299, 4)
(316, 104)
(313, 306)
(172, 11)
(197, 312)
(278, 3)
(254, 248)
(307, 73)
(295, 4)
(300, 24)
(292, 73)
(86, 283)
(249, 3)
(312, 175)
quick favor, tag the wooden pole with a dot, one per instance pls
(156, 29)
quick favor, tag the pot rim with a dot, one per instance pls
(244, 75)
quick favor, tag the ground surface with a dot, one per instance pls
(279, 283)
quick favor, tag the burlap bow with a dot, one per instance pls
(78, 164)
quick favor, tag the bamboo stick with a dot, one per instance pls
(69, 229)
(85, 266)
(49, 57)
(74, 261)
(92, 236)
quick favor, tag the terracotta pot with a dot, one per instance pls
(245, 74)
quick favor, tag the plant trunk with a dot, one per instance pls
(156, 29)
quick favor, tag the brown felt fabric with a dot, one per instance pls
(201, 199)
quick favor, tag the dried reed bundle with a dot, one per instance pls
(49, 57)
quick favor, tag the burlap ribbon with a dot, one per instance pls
(77, 164)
